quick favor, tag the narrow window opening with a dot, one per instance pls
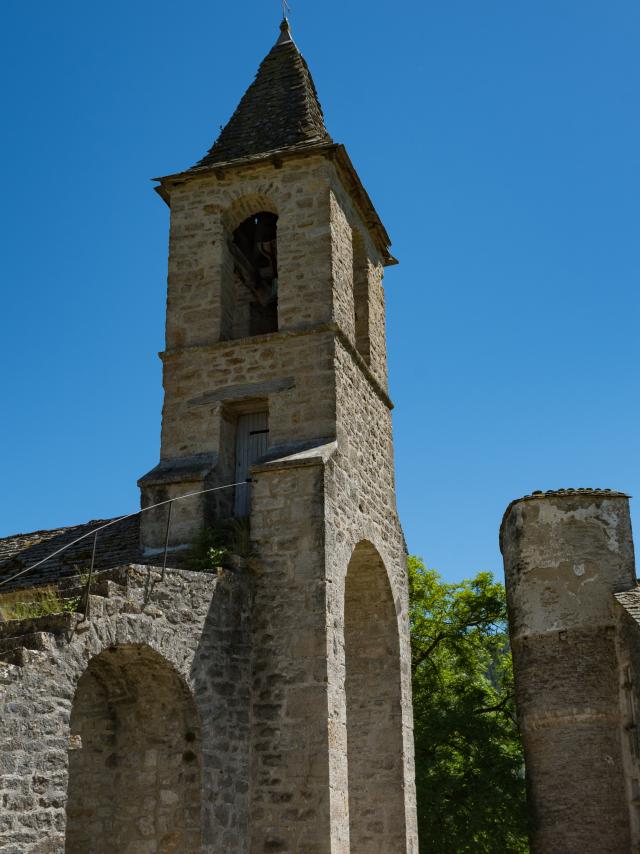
(361, 297)
(254, 249)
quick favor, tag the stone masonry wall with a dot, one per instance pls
(360, 507)
(194, 628)
(205, 211)
(342, 269)
(291, 808)
(322, 496)
(198, 379)
(372, 681)
(136, 767)
(565, 556)
(290, 372)
(315, 224)
(346, 220)
(311, 511)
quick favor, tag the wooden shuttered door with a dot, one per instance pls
(252, 439)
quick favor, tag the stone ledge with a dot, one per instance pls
(317, 454)
(239, 390)
(243, 391)
(193, 468)
(249, 341)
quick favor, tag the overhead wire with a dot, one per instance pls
(110, 524)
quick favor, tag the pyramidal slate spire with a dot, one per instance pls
(280, 110)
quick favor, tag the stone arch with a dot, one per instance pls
(373, 689)
(243, 206)
(249, 280)
(135, 759)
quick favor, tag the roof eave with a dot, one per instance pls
(367, 208)
(334, 151)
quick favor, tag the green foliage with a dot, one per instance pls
(208, 549)
(213, 545)
(469, 758)
(215, 556)
(72, 605)
(34, 602)
(239, 536)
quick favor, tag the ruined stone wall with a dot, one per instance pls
(194, 628)
(565, 555)
(135, 766)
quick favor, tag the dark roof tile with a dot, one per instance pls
(119, 544)
(280, 110)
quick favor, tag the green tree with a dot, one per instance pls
(469, 759)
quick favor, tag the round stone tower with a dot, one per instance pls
(566, 554)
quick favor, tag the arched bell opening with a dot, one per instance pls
(374, 707)
(134, 758)
(252, 292)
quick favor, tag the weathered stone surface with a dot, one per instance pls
(113, 732)
(576, 649)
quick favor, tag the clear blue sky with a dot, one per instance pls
(500, 142)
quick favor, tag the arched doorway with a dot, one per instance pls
(134, 758)
(374, 709)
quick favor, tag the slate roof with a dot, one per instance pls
(581, 490)
(117, 545)
(630, 601)
(280, 110)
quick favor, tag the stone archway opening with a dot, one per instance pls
(134, 758)
(377, 823)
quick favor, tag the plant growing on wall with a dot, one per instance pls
(469, 757)
(213, 545)
(35, 602)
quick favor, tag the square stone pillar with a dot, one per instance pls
(291, 805)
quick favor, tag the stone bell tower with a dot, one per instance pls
(275, 369)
